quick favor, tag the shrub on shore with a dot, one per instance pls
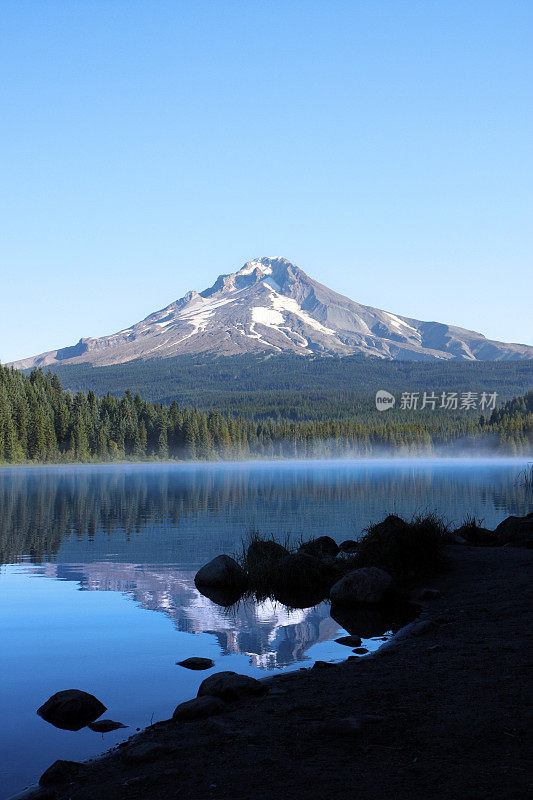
(287, 573)
(473, 532)
(297, 578)
(404, 549)
(259, 558)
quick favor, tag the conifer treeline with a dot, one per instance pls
(40, 422)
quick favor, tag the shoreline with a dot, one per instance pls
(436, 712)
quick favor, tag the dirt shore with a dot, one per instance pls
(443, 714)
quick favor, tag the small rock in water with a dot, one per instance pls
(195, 662)
(105, 725)
(360, 650)
(349, 641)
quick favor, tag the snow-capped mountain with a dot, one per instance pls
(273, 306)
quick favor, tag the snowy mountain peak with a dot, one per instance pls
(270, 305)
(262, 265)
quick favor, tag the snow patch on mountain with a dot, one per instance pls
(279, 301)
(400, 324)
(267, 316)
(199, 317)
(271, 318)
(255, 335)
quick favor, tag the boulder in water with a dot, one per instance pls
(221, 572)
(196, 662)
(71, 709)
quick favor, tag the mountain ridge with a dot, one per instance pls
(271, 305)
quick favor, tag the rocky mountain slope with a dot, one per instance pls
(273, 306)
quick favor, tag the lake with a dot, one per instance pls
(97, 569)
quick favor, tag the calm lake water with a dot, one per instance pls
(97, 567)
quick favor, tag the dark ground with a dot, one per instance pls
(449, 707)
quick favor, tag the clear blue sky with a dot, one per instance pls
(383, 146)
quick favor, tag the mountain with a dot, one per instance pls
(272, 305)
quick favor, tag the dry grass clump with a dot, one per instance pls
(404, 549)
(473, 531)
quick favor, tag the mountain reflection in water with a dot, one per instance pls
(271, 634)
